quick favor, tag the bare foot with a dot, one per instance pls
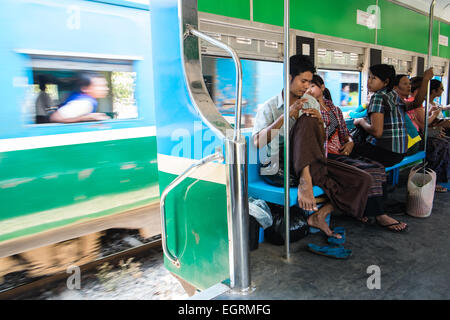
(364, 220)
(317, 220)
(385, 220)
(306, 199)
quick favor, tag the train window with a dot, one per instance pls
(338, 58)
(54, 80)
(261, 81)
(344, 87)
(401, 66)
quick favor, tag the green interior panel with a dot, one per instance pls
(196, 211)
(321, 17)
(402, 28)
(230, 8)
(444, 51)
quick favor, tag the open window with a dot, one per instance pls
(402, 63)
(344, 86)
(340, 67)
(57, 74)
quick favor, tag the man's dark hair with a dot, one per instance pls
(43, 81)
(299, 64)
(416, 82)
(384, 72)
(84, 79)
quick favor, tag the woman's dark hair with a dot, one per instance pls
(398, 78)
(84, 79)
(435, 84)
(318, 81)
(416, 82)
(299, 64)
(384, 72)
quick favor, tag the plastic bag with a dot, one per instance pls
(261, 212)
(298, 227)
(420, 192)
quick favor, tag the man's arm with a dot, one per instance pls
(265, 136)
(56, 117)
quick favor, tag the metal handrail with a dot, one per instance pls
(286, 129)
(172, 258)
(430, 52)
(238, 65)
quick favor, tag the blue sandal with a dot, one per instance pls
(330, 251)
(336, 241)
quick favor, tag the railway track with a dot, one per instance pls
(34, 286)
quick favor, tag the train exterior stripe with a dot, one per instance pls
(17, 144)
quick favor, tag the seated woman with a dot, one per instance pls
(402, 85)
(339, 146)
(387, 140)
(438, 148)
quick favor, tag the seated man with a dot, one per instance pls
(82, 104)
(346, 186)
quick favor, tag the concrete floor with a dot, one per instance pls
(413, 265)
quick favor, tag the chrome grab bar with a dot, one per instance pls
(235, 147)
(216, 156)
(238, 65)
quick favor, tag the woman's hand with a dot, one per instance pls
(347, 148)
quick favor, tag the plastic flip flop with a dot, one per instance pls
(336, 241)
(330, 251)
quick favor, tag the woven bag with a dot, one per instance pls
(421, 187)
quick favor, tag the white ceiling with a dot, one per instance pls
(441, 9)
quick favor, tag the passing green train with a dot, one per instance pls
(63, 181)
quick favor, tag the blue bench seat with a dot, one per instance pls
(406, 161)
(259, 189)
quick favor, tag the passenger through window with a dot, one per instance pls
(55, 83)
(344, 87)
(261, 81)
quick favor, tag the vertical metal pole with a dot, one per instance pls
(238, 216)
(286, 127)
(430, 52)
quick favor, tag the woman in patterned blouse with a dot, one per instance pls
(339, 146)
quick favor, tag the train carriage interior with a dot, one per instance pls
(161, 169)
(343, 64)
